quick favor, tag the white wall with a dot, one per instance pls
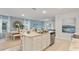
(0, 24)
(59, 21)
(14, 19)
(8, 24)
(69, 21)
(77, 24)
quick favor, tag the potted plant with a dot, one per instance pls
(17, 27)
(21, 26)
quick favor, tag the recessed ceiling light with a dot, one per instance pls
(44, 12)
(22, 14)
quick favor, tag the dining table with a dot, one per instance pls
(14, 35)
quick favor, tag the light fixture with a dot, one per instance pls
(44, 12)
(23, 15)
(34, 9)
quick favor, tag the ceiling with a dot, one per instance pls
(35, 13)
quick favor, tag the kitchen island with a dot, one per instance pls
(74, 46)
(35, 41)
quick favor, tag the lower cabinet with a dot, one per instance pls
(36, 43)
(27, 44)
(43, 42)
(74, 46)
(47, 40)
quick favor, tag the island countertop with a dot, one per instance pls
(33, 34)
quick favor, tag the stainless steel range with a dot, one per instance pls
(52, 37)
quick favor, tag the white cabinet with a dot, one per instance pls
(74, 46)
(27, 44)
(41, 42)
(37, 43)
(44, 42)
(47, 40)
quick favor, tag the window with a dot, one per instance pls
(4, 26)
(68, 25)
(68, 29)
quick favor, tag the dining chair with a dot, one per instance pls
(8, 36)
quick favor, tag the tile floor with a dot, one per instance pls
(9, 44)
(60, 45)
